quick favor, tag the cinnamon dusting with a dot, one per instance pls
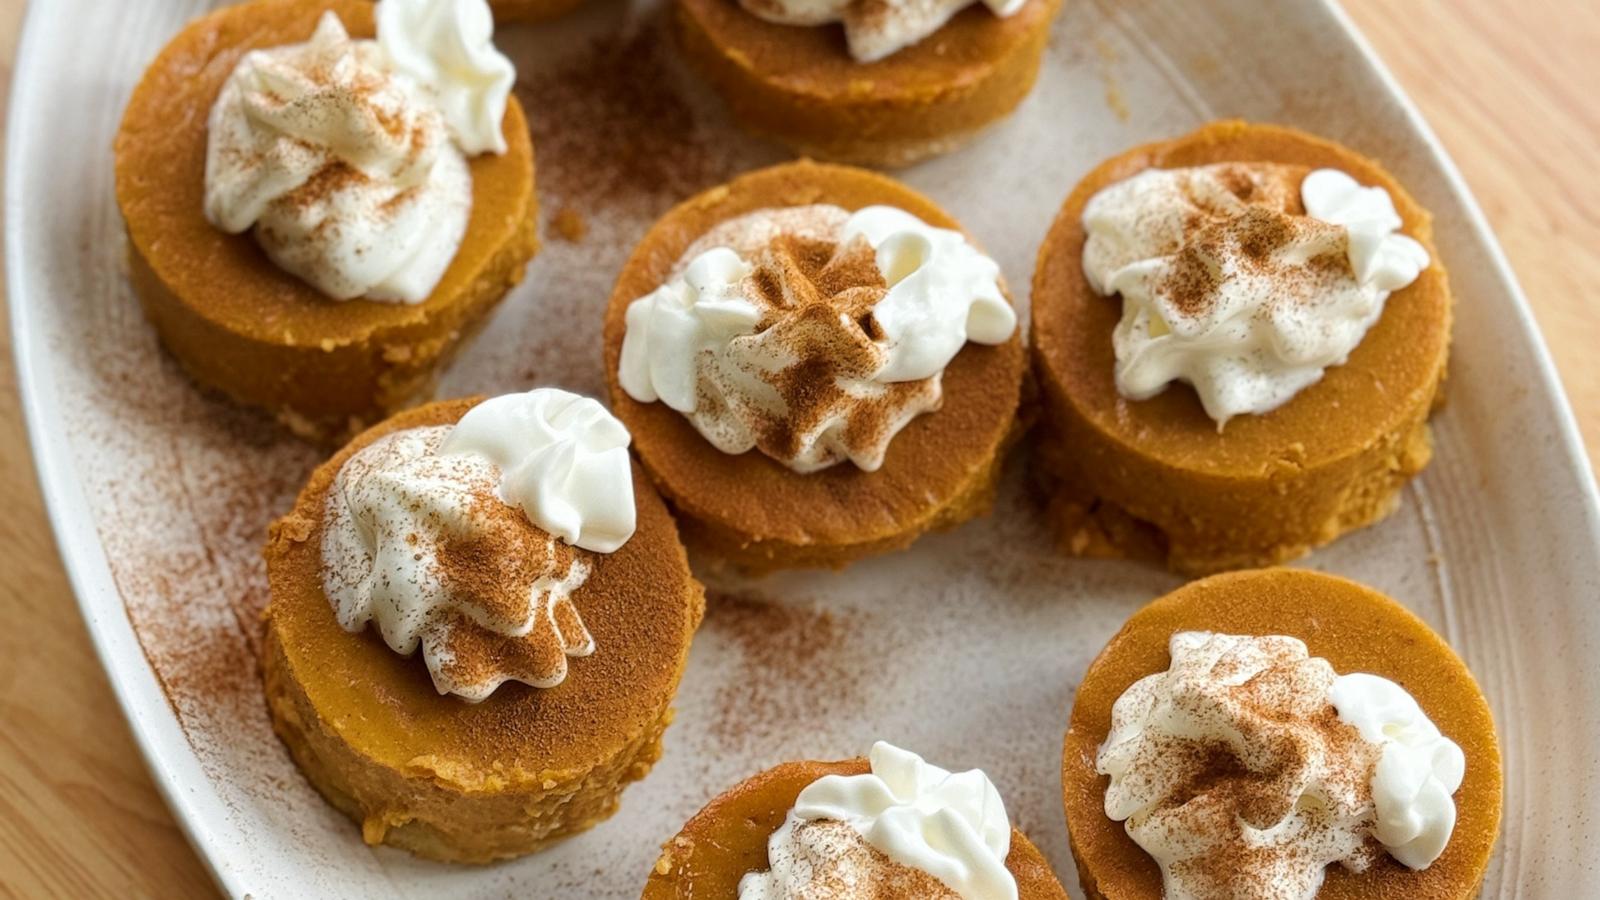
(421, 544)
(494, 563)
(1251, 784)
(832, 861)
(1259, 237)
(816, 347)
(778, 646)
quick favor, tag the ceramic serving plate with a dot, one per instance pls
(966, 648)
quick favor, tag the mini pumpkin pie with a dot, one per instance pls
(889, 826)
(386, 187)
(1239, 336)
(899, 82)
(542, 581)
(816, 365)
(1216, 750)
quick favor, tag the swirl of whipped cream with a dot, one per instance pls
(339, 153)
(811, 333)
(448, 46)
(426, 536)
(873, 29)
(942, 292)
(405, 533)
(1249, 766)
(917, 816)
(1226, 286)
(1418, 773)
(563, 460)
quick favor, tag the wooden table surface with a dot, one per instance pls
(1509, 88)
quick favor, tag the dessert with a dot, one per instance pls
(1280, 734)
(544, 584)
(816, 365)
(889, 826)
(531, 10)
(317, 218)
(1293, 286)
(898, 82)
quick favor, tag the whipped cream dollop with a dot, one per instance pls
(812, 333)
(873, 29)
(563, 460)
(470, 540)
(825, 859)
(1245, 280)
(1250, 766)
(1418, 773)
(915, 819)
(348, 157)
(448, 45)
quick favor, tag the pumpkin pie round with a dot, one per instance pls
(729, 837)
(799, 85)
(1354, 628)
(474, 782)
(1157, 475)
(754, 512)
(238, 323)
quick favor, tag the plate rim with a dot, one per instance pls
(88, 572)
(93, 584)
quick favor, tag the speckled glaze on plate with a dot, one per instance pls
(160, 495)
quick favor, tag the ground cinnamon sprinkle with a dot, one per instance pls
(1214, 795)
(337, 175)
(497, 562)
(851, 268)
(188, 566)
(1262, 232)
(495, 569)
(618, 144)
(790, 659)
(613, 130)
(488, 592)
(835, 862)
(1192, 284)
(816, 299)
(1236, 179)
(1253, 241)
(478, 655)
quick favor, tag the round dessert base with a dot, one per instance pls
(1157, 476)
(1356, 629)
(1089, 525)
(475, 782)
(390, 804)
(732, 550)
(236, 322)
(799, 86)
(729, 837)
(513, 11)
(750, 511)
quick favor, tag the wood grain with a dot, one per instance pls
(1509, 87)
